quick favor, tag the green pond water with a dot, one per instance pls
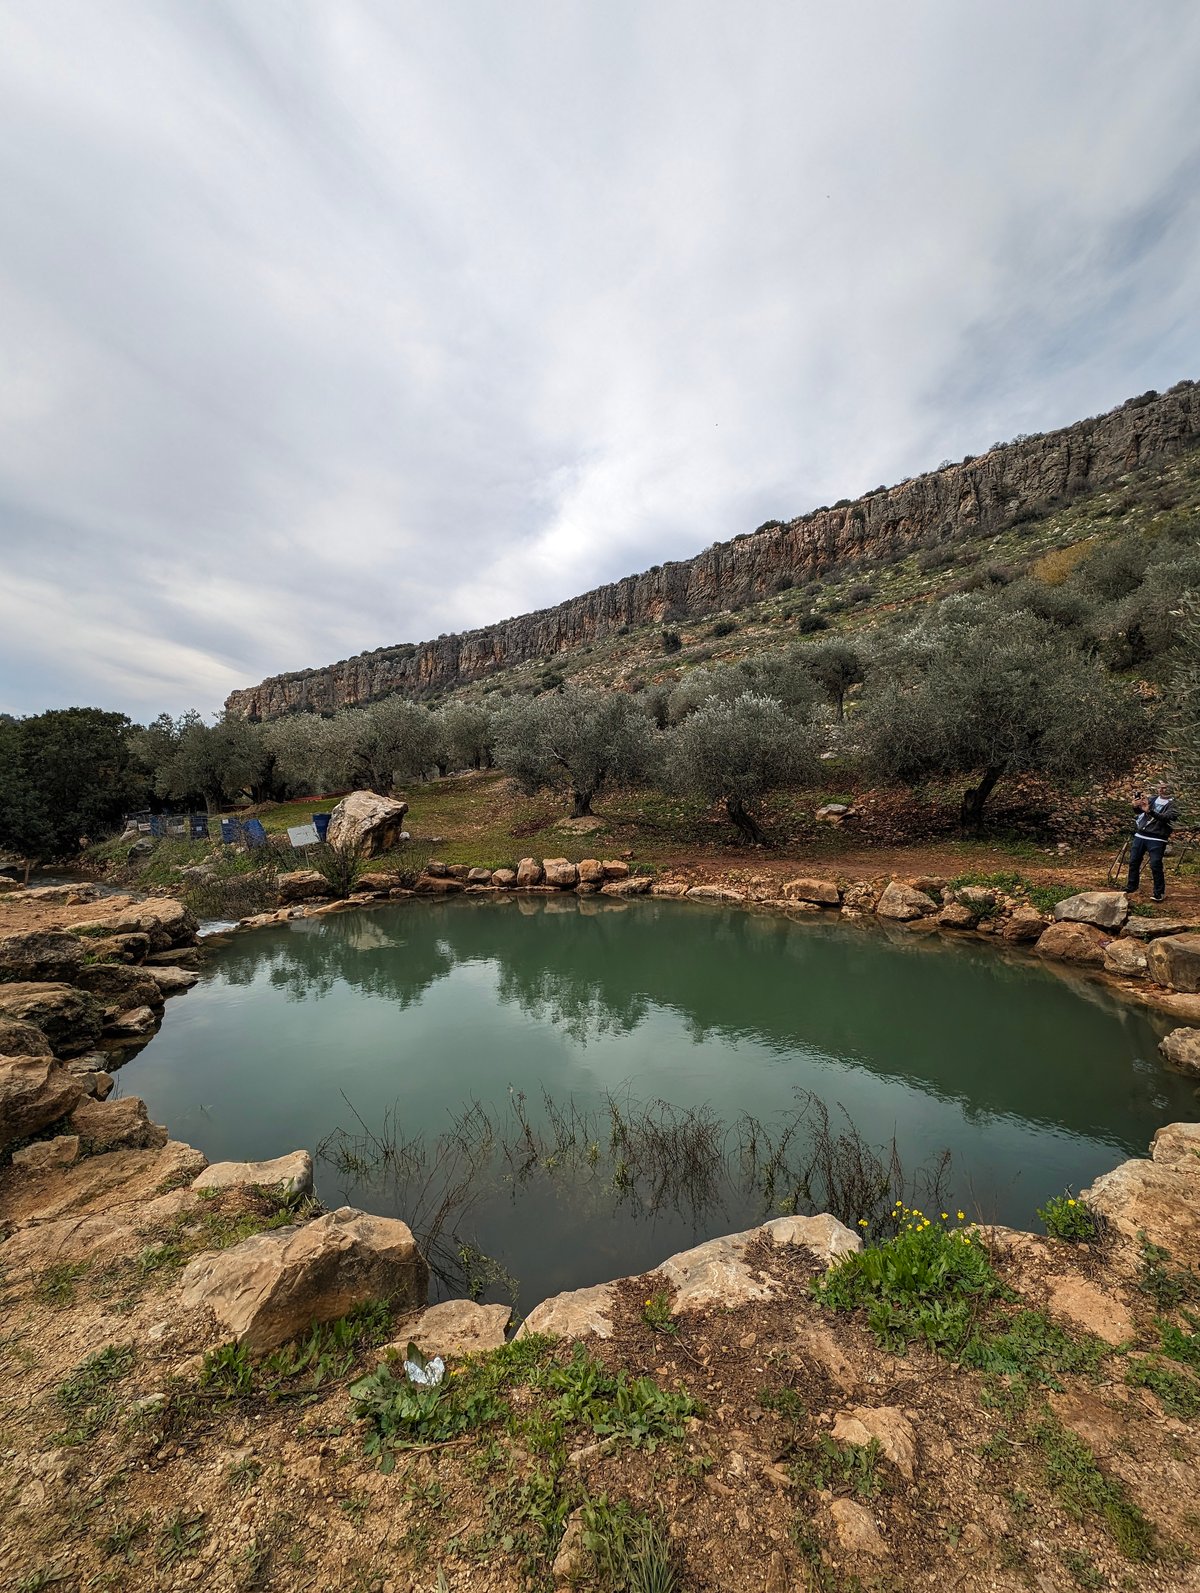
(499, 1060)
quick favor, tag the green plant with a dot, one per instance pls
(633, 1409)
(1067, 1218)
(124, 1536)
(1167, 1286)
(1083, 1568)
(56, 1285)
(1178, 1344)
(339, 866)
(228, 1371)
(87, 1397)
(180, 1537)
(1029, 1346)
(656, 1313)
(628, 1548)
(840, 1467)
(1176, 1392)
(783, 1402)
(1083, 1489)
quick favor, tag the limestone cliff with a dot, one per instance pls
(956, 502)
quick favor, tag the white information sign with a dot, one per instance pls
(304, 835)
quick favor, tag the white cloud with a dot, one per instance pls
(326, 327)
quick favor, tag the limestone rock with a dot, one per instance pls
(1105, 909)
(958, 915)
(479, 876)
(44, 1155)
(165, 922)
(574, 1315)
(364, 819)
(34, 1091)
(1072, 942)
(1088, 1308)
(591, 871)
(860, 897)
(1157, 1197)
(1127, 959)
(173, 981)
(303, 885)
(672, 889)
(69, 1018)
(821, 891)
(1178, 1145)
(274, 1285)
(572, 1560)
(634, 885)
(1026, 924)
(714, 1273)
(529, 872)
(439, 887)
(96, 1236)
(118, 988)
(904, 903)
(133, 1024)
(976, 896)
(560, 873)
(714, 893)
(614, 868)
(116, 1125)
(22, 1039)
(293, 1174)
(1182, 1049)
(457, 1327)
(504, 878)
(889, 1427)
(856, 1530)
(41, 955)
(817, 1342)
(1154, 928)
(823, 1234)
(1174, 961)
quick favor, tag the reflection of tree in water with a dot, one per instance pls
(628, 1157)
(581, 1006)
(308, 957)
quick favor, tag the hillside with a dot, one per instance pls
(1004, 496)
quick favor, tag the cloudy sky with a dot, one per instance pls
(326, 324)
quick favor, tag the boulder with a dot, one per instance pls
(457, 1327)
(976, 896)
(70, 1019)
(1072, 942)
(577, 1314)
(504, 878)
(479, 876)
(439, 887)
(1154, 928)
(116, 1125)
(371, 822)
(529, 872)
(860, 897)
(274, 1285)
(827, 1238)
(133, 1024)
(591, 871)
(614, 868)
(41, 955)
(47, 1155)
(634, 885)
(1174, 961)
(821, 891)
(133, 948)
(1156, 1197)
(958, 915)
(173, 981)
(904, 903)
(713, 893)
(1182, 1049)
(437, 870)
(93, 1237)
(34, 1091)
(669, 888)
(1026, 924)
(833, 812)
(291, 1174)
(118, 987)
(560, 873)
(1127, 959)
(22, 1039)
(303, 885)
(1105, 909)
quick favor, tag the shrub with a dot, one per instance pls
(671, 641)
(810, 622)
(723, 627)
(1067, 1218)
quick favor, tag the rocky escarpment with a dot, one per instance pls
(959, 501)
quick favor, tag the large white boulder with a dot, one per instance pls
(365, 819)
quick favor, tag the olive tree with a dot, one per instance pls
(392, 738)
(784, 677)
(209, 763)
(835, 666)
(576, 740)
(734, 751)
(973, 691)
(468, 733)
(1185, 693)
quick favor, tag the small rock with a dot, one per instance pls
(292, 1173)
(504, 878)
(44, 1155)
(571, 1561)
(1072, 942)
(822, 892)
(1182, 1049)
(889, 1427)
(904, 903)
(856, 1529)
(1127, 959)
(1026, 924)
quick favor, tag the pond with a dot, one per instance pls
(576, 1088)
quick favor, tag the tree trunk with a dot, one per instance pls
(840, 705)
(443, 768)
(581, 803)
(748, 826)
(971, 815)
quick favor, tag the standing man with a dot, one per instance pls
(1154, 819)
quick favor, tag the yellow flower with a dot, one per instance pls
(945, 1216)
(1070, 1202)
(961, 1215)
(862, 1222)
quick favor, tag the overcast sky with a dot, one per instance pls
(335, 324)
